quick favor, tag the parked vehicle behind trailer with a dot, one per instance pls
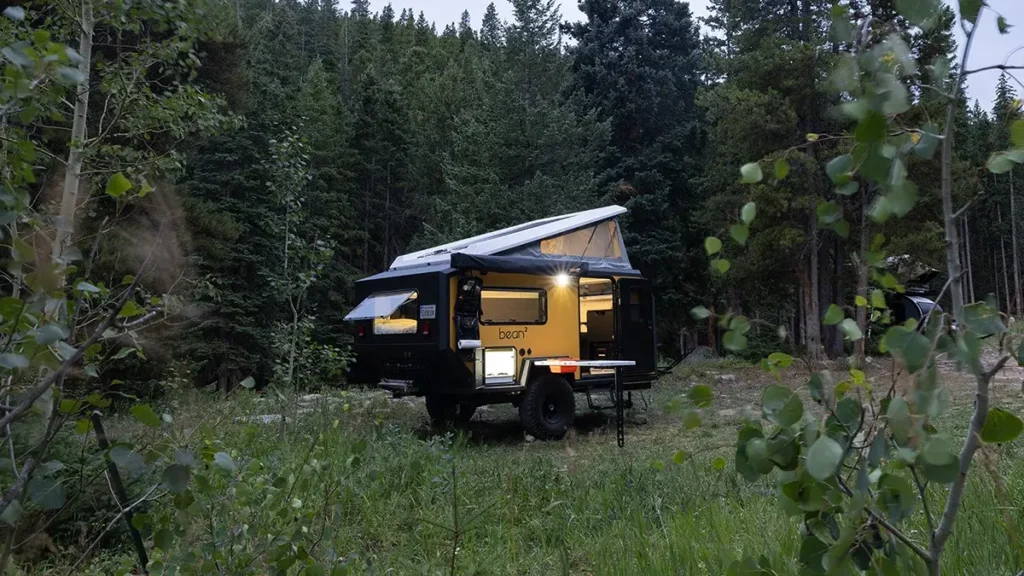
(466, 323)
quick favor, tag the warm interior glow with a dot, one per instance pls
(499, 363)
(562, 280)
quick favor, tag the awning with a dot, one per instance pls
(380, 305)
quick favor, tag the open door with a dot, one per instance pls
(634, 327)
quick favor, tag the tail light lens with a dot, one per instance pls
(362, 330)
(425, 328)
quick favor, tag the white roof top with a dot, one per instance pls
(508, 238)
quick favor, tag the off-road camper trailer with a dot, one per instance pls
(467, 323)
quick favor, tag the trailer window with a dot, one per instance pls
(403, 320)
(513, 306)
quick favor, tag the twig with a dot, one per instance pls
(922, 489)
(456, 531)
(34, 393)
(117, 490)
(8, 549)
(70, 500)
(1002, 67)
(964, 208)
(309, 452)
(15, 492)
(110, 525)
(141, 320)
(10, 437)
(921, 552)
(14, 327)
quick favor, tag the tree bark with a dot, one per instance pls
(956, 490)
(812, 307)
(953, 267)
(963, 256)
(1013, 251)
(1002, 249)
(969, 293)
(838, 262)
(862, 279)
(65, 223)
(830, 265)
(995, 276)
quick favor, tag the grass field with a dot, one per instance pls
(577, 506)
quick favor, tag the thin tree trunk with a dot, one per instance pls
(862, 279)
(838, 262)
(956, 490)
(813, 308)
(970, 269)
(292, 346)
(949, 221)
(1013, 251)
(963, 255)
(995, 275)
(291, 366)
(1002, 249)
(825, 293)
(387, 221)
(65, 224)
(799, 322)
(366, 229)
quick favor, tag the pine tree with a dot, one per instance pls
(466, 32)
(491, 28)
(424, 30)
(654, 133)
(327, 131)
(522, 152)
(387, 23)
(381, 145)
(360, 9)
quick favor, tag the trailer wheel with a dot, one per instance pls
(548, 408)
(445, 410)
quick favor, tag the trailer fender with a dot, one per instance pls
(530, 371)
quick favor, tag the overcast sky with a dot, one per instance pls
(989, 47)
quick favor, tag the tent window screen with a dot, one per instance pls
(598, 241)
(513, 306)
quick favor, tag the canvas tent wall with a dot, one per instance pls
(590, 240)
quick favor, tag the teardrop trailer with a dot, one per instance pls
(528, 315)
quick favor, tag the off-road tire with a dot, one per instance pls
(548, 408)
(445, 410)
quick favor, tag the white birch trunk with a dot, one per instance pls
(65, 223)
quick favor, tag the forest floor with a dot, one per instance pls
(581, 505)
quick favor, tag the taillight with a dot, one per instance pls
(425, 328)
(362, 330)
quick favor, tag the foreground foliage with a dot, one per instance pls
(858, 475)
(361, 483)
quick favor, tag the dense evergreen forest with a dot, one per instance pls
(299, 145)
(191, 188)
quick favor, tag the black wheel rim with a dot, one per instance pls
(551, 410)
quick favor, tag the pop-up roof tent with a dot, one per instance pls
(589, 242)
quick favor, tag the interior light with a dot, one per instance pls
(500, 362)
(562, 280)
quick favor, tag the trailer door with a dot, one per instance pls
(634, 325)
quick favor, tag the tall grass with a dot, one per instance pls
(580, 506)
